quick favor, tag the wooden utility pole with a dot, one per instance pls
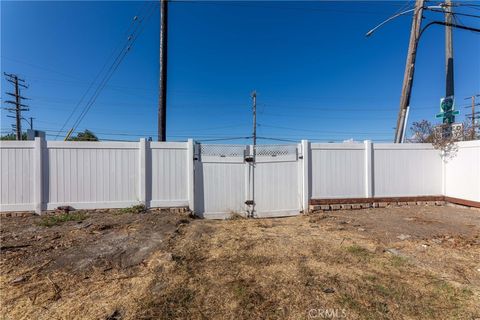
(409, 70)
(254, 111)
(449, 81)
(162, 94)
(19, 107)
(254, 153)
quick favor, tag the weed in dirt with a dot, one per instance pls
(183, 221)
(246, 295)
(359, 252)
(384, 291)
(349, 301)
(317, 217)
(235, 216)
(398, 261)
(53, 220)
(371, 277)
(136, 209)
(173, 303)
(450, 293)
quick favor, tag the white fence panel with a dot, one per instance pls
(91, 174)
(169, 179)
(337, 170)
(406, 170)
(16, 175)
(463, 172)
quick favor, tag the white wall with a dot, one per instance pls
(462, 172)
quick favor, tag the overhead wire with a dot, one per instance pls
(133, 25)
(108, 75)
(270, 6)
(91, 83)
(457, 13)
(318, 131)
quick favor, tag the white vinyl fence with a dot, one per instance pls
(462, 172)
(42, 175)
(215, 180)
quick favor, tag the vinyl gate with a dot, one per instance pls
(228, 180)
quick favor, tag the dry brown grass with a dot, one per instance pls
(249, 269)
(268, 269)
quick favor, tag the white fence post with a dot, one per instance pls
(368, 169)
(306, 175)
(142, 176)
(190, 175)
(38, 175)
(444, 173)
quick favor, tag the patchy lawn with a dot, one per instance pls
(396, 263)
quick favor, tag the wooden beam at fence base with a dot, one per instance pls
(463, 202)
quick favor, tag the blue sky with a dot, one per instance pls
(316, 74)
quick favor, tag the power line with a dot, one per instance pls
(38, 66)
(111, 71)
(457, 13)
(256, 5)
(154, 132)
(141, 134)
(277, 139)
(317, 131)
(113, 66)
(459, 4)
(223, 139)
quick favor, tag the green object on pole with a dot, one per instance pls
(447, 110)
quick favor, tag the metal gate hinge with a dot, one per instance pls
(249, 202)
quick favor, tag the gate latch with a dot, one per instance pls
(249, 159)
(249, 202)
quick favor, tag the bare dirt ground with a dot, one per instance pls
(395, 263)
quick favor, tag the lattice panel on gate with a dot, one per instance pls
(222, 152)
(276, 152)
